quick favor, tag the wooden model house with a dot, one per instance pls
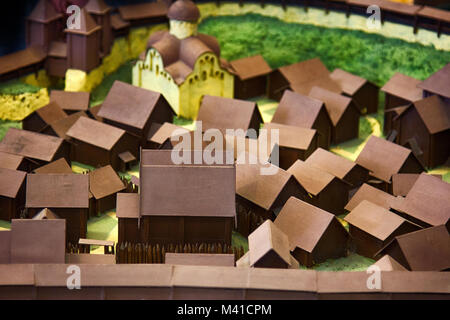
(12, 193)
(343, 113)
(57, 166)
(225, 113)
(422, 250)
(294, 142)
(374, 195)
(67, 195)
(427, 203)
(42, 117)
(134, 109)
(251, 77)
(128, 216)
(383, 159)
(314, 234)
(201, 209)
(38, 241)
(159, 134)
(99, 144)
(69, 101)
(13, 162)
(387, 263)
(104, 184)
(60, 127)
(403, 182)
(40, 148)
(46, 214)
(372, 227)
(301, 77)
(338, 166)
(428, 121)
(101, 13)
(437, 84)
(261, 195)
(391, 122)
(302, 111)
(363, 93)
(325, 190)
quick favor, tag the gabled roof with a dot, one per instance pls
(129, 105)
(438, 82)
(403, 182)
(297, 110)
(225, 113)
(428, 200)
(97, 7)
(374, 195)
(262, 190)
(349, 82)
(128, 205)
(57, 166)
(96, 133)
(159, 133)
(10, 182)
(304, 224)
(57, 191)
(87, 24)
(304, 71)
(403, 87)
(331, 163)
(104, 182)
(387, 263)
(45, 214)
(335, 104)
(268, 237)
(250, 67)
(375, 220)
(30, 144)
(382, 158)
(72, 101)
(291, 136)
(310, 177)
(324, 82)
(50, 113)
(434, 112)
(44, 12)
(10, 161)
(60, 127)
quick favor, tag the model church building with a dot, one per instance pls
(182, 64)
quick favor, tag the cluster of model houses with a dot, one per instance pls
(394, 208)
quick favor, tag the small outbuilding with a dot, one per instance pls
(38, 120)
(12, 193)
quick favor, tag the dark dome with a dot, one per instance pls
(184, 10)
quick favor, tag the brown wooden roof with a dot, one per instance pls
(10, 182)
(44, 12)
(297, 110)
(403, 182)
(310, 177)
(104, 182)
(382, 158)
(374, 195)
(73, 101)
(87, 24)
(324, 82)
(434, 13)
(434, 112)
(225, 113)
(304, 71)
(387, 263)
(57, 166)
(304, 224)
(117, 23)
(50, 113)
(250, 67)
(183, 10)
(403, 87)
(30, 144)
(10, 161)
(57, 191)
(349, 82)
(128, 205)
(63, 125)
(21, 59)
(142, 10)
(335, 104)
(331, 163)
(96, 133)
(129, 105)
(291, 136)
(159, 133)
(97, 7)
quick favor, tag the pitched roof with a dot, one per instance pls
(159, 133)
(265, 238)
(87, 24)
(262, 190)
(304, 71)
(57, 166)
(68, 100)
(324, 82)
(128, 205)
(375, 220)
(44, 12)
(30, 144)
(50, 113)
(129, 105)
(438, 82)
(435, 113)
(382, 158)
(96, 133)
(304, 224)
(349, 82)
(291, 136)
(250, 67)
(374, 195)
(313, 179)
(403, 87)
(97, 7)
(297, 110)
(45, 214)
(10, 161)
(143, 10)
(335, 104)
(104, 182)
(57, 191)
(20, 59)
(183, 10)
(428, 200)
(60, 127)
(225, 113)
(331, 163)
(10, 182)
(206, 191)
(387, 263)
(403, 182)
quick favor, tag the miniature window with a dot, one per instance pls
(221, 75)
(212, 60)
(191, 81)
(217, 73)
(196, 78)
(204, 75)
(157, 70)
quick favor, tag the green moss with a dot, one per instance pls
(15, 87)
(371, 56)
(352, 262)
(6, 124)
